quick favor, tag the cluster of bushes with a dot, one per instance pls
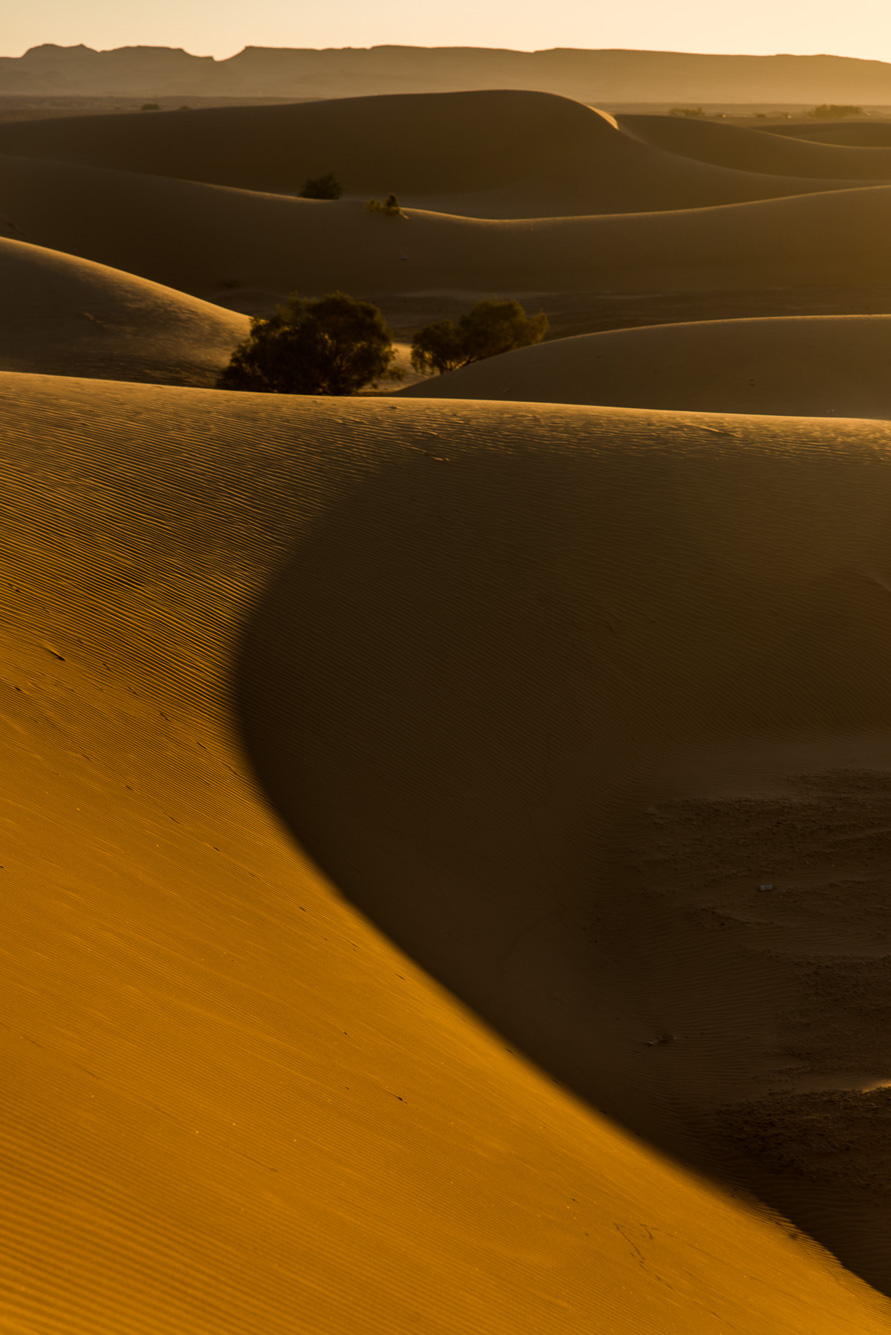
(337, 345)
(328, 187)
(831, 111)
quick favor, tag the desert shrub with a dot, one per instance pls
(490, 328)
(829, 111)
(150, 106)
(322, 187)
(696, 112)
(438, 347)
(390, 206)
(333, 345)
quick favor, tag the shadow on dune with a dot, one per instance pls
(462, 694)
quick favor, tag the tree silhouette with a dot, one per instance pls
(490, 328)
(333, 345)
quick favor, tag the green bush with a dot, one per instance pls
(333, 345)
(322, 187)
(390, 206)
(490, 328)
(150, 106)
(829, 111)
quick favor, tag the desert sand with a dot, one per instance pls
(862, 134)
(253, 1109)
(822, 366)
(757, 150)
(64, 315)
(445, 851)
(522, 154)
(207, 239)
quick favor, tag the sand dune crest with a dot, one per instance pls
(69, 316)
(758, 151)
(236, 1106)
(523, 154)
(817, 366)
(204, 239)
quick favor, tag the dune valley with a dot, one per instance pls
(445, 855)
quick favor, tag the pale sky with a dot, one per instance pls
(222, 27)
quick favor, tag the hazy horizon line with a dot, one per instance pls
(421, 46)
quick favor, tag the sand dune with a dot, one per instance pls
(863, 134)
(756, 150)
(817, 366)
(234, 1106)
(522, 154)
(68, 316)
(203, 239)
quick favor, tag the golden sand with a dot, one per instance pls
(235, 1106)
(63, 315)
(521, 153)
(445, 843)
(797, 366)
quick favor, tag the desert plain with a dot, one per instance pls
(446, 848)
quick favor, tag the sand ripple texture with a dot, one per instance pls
(456, 643)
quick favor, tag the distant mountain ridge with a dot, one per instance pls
(592, 76)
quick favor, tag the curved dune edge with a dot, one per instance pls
(569, 698)
(795, 366)
(203, 238)
(742, 149)
(235, 1107)
(850, 134)
(68, 316)
(522, 153)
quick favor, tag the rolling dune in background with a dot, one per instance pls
(236, 1107)
(521, 154)
(855, 134)
(68, 316)
(445, 873)
(757, 150)
(798, 366)
(199, 238)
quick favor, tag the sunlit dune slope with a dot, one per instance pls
(67, 316)
(486, 154)
(203, 238)
(230, 1105)
(808, 366)
(863, 134)
(756, 150)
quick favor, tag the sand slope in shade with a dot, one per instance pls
(800, 366)
(569, 697)
(198, 238)
(757, 150)
(523, 154)
(232, 1105)
(68, 316)
(855, 134)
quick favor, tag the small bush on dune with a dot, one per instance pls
(389, 206)
(322, 187)
(696, 113)
(333, 345)
(490, 328)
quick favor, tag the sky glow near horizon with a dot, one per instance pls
(220, 28)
